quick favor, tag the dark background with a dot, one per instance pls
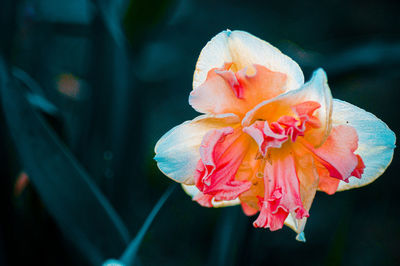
(88, 87)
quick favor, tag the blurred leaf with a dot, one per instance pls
(129, 258)
(112, 12)
(36, 97)
(41, 103)
(142, 15)
(82, 212)
(129, 255)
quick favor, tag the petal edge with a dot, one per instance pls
(376, 141)
(177, 151)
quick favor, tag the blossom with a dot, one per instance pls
(266, 140)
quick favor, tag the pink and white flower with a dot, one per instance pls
(267, 140)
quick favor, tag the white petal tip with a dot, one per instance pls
(244, 49)
(320, 74)
(301, 237)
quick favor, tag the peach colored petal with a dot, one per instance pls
(273, 135)
(337, 152)
(308, 180)
(215, 96)
(260, 83)
(316, 90)
(225, 91)
(251, 170)
(248, 210)
(326, 183)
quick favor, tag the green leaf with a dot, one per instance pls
(80, 209)
(129, 255)
(128, 258)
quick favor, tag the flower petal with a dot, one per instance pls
(375, 145)
(227, 92)
(222, 152)
(308, 179)
(244, 49)
(216, 96)
(248, 210)
(316, 90)
(266, 136)
(282, 192)
(252, 169)
(177, 152)
(327, 183)
(193, 191)
(337, 152)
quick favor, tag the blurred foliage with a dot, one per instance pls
(142, 17)
(87, 88)
(65, 188)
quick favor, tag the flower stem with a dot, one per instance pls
(129, 255)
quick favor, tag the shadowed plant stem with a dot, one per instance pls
(128, 257)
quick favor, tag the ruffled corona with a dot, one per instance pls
(268, 141)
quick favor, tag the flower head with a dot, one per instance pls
(267, 140)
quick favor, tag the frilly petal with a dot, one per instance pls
(375, 145)
(177, 152)
(227, 92)
(244, 49)
(222, 152)
(308, 179)
(193, 191)
(316, 90)
(282, 192)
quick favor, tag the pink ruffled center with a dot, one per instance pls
(282, 194)
(287, 127)
(222, 152)
(281, 183)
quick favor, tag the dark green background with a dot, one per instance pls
(134, 61)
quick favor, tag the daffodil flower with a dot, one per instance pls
(267, 140)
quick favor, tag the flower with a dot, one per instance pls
(267, 140)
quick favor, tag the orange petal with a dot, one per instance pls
(227, 92)
(316, 90)
(308, 179)
(251, 170)
(248, 210)
(327, 183)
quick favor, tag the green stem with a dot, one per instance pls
(129, 255)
